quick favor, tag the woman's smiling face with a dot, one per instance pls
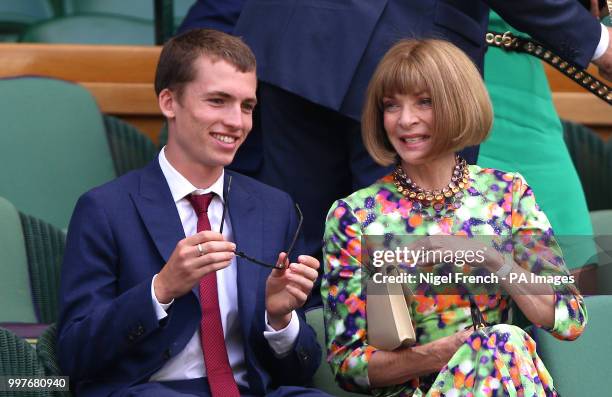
(408, 120)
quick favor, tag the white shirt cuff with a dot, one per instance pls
(160, 308)
(282, 341)
(604, 41)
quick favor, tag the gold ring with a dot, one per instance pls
(201, 249)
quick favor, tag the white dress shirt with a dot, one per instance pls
(189, 363)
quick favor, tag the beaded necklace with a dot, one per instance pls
(448, 198)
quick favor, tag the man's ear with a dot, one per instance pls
(167, 101)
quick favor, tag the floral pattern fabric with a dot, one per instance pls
(497, 361)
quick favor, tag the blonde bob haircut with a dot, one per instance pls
(462, 113)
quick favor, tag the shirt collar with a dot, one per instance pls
(180, 186)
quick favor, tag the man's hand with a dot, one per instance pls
(604, 62)
(287, 289)
(187, 265)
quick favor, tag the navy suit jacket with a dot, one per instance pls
(327, 50)
(123, 233)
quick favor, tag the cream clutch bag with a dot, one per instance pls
(388, 319)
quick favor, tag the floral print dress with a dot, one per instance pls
(499, 360)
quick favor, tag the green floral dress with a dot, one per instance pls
(499, 360)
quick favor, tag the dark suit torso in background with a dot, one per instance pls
(326, 50)
(315, 59)
(212, 14)
(123, 233)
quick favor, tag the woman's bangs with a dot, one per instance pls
(403, 78)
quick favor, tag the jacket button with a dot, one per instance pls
(167, 354)
(140, 330)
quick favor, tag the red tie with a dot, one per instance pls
(218, 370)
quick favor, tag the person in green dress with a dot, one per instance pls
(426, 101)
(527, 136)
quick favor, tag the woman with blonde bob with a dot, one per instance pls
(425, 102)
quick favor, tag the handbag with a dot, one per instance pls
(389, 325)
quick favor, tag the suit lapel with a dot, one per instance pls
(247, 228)
(158, 210)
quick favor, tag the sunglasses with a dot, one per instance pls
(249, 258)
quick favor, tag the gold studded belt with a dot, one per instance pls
(510, 42)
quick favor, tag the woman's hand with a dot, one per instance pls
(536, 300)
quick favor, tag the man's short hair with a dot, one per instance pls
(176, 62)
(462, 110)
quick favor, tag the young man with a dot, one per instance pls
(154, 300)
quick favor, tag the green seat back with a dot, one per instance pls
(23, 12)
(16, 16)
(593, 162)
(163, 136)
(133, 8)
(324, 378)
(181, 8)
(15, 292)
(18, 358)
(130, 148)
(46, 349)
(602, 222)
(55, 147)
(582, 367)
(602, 230)
(92, 29)
(47, 352)
(45, 250)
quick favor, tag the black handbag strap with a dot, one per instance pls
(478, 320)
(510, 42)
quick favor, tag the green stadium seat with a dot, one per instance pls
(46, 350)
(92, 29)
(44, 245)
(181, 8)
(129, 147)
(62, 149)
(602, 230)
(324, 378)
(15, 290)
(55, 146)
(163, 136)
(29, 271)
(142, 9)
(18, 358)
(26, 11)
(593, 161)
(582, 367)
(133, 8)
(16, 16)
